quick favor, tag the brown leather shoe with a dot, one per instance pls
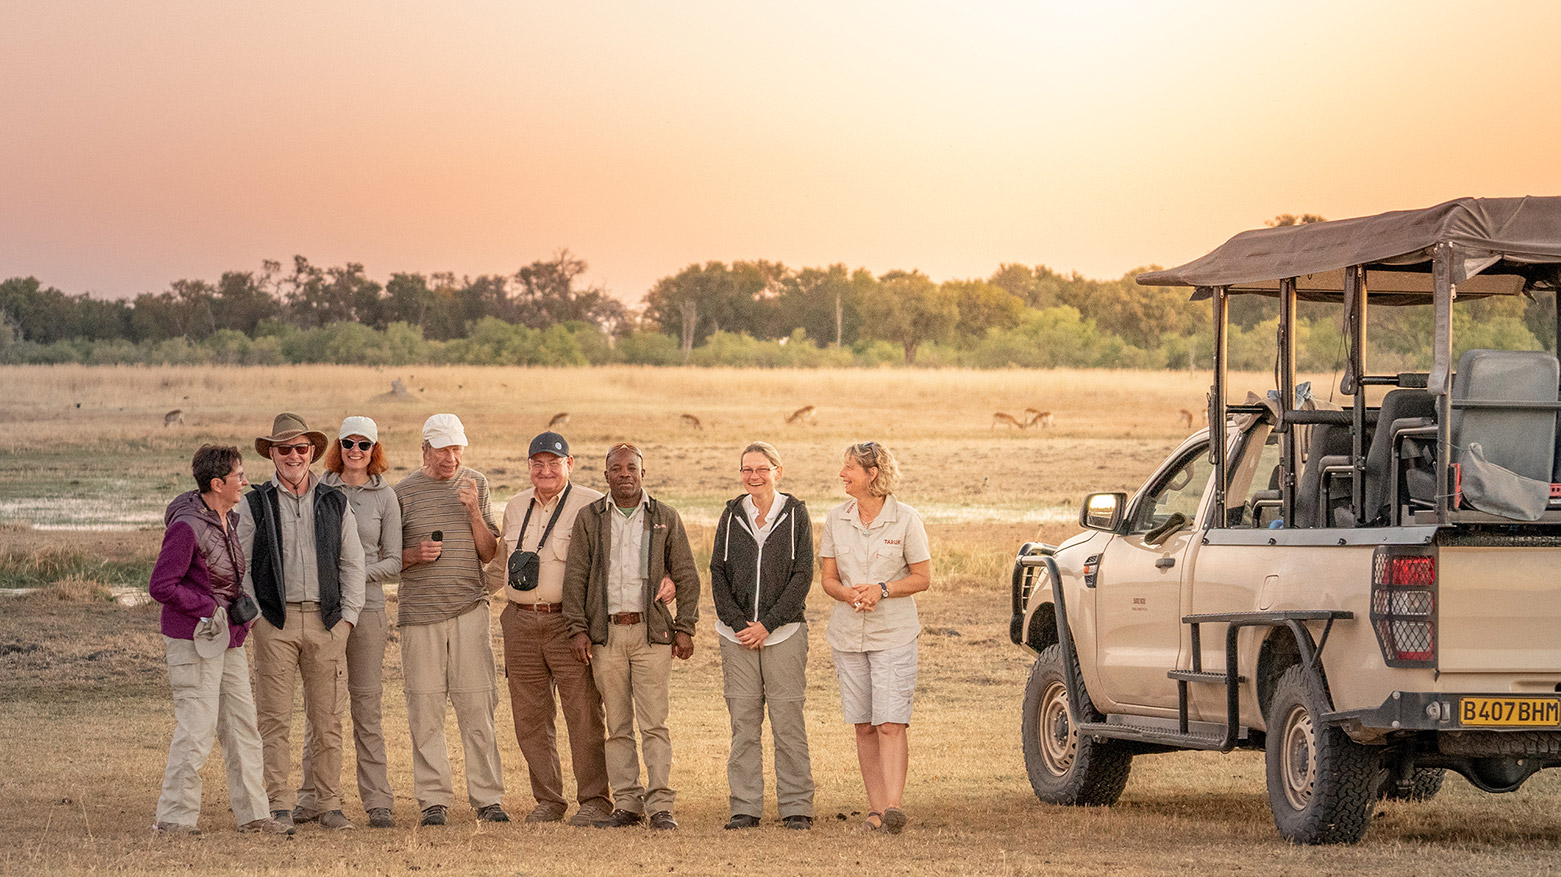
(335, 820)
(621, 818)
(434, 814)
(662, 820)
(742, 820)
(492, 813)
(589, 815)
(301, 816)
(265, 826)
(547, 813)
(381, 817)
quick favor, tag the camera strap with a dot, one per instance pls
(525, 522)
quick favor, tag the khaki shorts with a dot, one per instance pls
(877, 687)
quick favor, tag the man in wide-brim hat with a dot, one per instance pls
(304, 564)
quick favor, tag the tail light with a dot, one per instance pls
(1403, 605)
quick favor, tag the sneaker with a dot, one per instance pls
(335, 820)
(546, 813)
(662, 820)
(434, 815)
(301, 816)
(380, 817)
(589, 815)
(742, 820)
(798, 822)
(894, 820)
(285, 817)
(174, 829)
(492, 813)
(265, 826)
(620, 818)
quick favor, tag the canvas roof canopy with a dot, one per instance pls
(1500, 246)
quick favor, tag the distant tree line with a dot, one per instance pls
(746, 313)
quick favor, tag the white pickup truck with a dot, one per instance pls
(1370, 594)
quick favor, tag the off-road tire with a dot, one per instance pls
(1322, 786)
(1065, 768)
(1424, 783)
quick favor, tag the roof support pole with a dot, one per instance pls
(1288, 463)
(1440, 381)
(1217, 449)
(1355, 331)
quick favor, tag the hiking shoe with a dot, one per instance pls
(742, 820)
(380, 817)
(285, 817)
(589, 815)
(894, 820)
(265, 826)
(492, 813)
(662, 820)
(546, 813)
(620, 818)
(301, 816)
(798, 822)
(434, 815)
(335, 820)
(174, 829)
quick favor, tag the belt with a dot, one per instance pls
(544, 608)
(307, 605)
(627, 618)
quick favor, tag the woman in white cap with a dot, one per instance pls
(356, 464)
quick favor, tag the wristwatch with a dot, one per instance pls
(884, 587)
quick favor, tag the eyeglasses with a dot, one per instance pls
(553, 465)
(748, 473)
(346, 445)
(288, 450)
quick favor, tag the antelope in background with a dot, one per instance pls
(1186, 418)
(689, 420)
(1036, 417)
(805, 414)
(1001, 419)
(559, 419)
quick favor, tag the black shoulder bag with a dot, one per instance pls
(525, 565)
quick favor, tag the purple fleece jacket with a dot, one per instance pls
(181, 581)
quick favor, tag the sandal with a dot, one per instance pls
(894, 820)
(873, 822)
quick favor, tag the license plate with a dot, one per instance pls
(1523, 711)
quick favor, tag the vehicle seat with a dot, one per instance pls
(1396, 405)
(1330, 445)
(1520, 441)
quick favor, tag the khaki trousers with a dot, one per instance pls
(365, 693)
(774, 676)
(452, 660)
(632, 675)
(211, 700)
(536, 659)
(302, 647)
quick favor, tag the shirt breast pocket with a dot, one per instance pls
(558, 546)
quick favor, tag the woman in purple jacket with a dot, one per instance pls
(197, 577)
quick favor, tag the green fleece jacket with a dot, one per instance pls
(585, 573)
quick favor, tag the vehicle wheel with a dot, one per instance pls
(1322, 786)
(1423, 785)
(1065, 768)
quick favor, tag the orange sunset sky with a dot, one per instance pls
(149, 141)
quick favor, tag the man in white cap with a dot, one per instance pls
(448, 533)
(304, 564)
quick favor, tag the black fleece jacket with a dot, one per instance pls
(770, 587)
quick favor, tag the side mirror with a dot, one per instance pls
(1102, 511)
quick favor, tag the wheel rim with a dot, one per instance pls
(1298, 761)
(1059, 741)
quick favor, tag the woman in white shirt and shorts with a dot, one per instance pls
(875, 558)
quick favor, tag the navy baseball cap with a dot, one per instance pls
(548, 443)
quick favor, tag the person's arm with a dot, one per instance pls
(246, 541)
(829, 570)
(173, 562)
(577, 575)
(726, 607)
(350, 567)
(795, 594)
(685, 574)
(484, 531)
(389, 564)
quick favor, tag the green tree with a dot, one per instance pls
(982, 306)
(909, 309)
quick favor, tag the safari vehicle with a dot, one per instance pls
(1371, 594)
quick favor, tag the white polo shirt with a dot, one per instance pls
(882, 552)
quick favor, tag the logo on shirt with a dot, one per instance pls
(891, 541)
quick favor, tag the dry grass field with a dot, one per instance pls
(86, 467)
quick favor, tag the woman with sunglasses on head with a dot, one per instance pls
(355, 463)
(760, 571)
(874, 558)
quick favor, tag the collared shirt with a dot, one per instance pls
(625, 568)
(453, 583)
(300, 567)
(760, 534)
(550, 566)
(869, 553)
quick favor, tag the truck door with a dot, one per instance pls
(1138, 592)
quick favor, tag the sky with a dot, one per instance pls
(144, 142)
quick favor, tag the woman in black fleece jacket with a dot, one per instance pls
(761, 568)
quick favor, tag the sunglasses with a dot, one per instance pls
(346, 445)
(289, 450)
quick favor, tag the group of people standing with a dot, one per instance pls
(601, 595)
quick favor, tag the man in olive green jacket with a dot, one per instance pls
(622, 543)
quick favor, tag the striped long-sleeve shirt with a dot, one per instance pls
(451, 585)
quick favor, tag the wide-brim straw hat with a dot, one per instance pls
(287, 427)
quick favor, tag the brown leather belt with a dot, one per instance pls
(539, 607)
(627, 618)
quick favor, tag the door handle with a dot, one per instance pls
(1165, 563)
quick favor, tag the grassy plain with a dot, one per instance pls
(84, 709)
